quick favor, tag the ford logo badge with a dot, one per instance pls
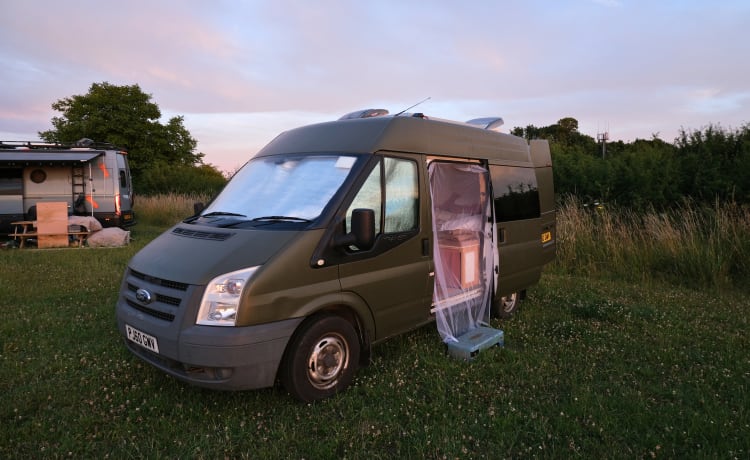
(143, 296)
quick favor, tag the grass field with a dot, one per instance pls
(595, 366)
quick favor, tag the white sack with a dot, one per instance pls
(109, 237)
(88, 222)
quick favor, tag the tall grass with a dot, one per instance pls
(693, 245)
(166, 209)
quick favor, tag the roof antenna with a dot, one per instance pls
(408, 108)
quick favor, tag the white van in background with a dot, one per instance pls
(94, 179)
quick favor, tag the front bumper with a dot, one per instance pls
(111, 219)
(221, 358)
(224, 358)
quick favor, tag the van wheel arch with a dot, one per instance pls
(323, 355)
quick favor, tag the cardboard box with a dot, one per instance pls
(52, 225)
(459, 254)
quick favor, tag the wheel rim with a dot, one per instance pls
(329, 358)
(508, 302)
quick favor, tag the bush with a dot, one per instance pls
(162, 178)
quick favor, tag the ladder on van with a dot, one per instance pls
(78, 182)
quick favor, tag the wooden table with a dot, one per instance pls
(27, 231)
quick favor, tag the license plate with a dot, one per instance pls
(147, 341)
(546, 237)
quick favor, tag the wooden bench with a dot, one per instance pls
(52, 230)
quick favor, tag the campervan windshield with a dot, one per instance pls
(282, 187)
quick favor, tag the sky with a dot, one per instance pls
(240, 72)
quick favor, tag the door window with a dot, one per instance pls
(401, 195)
(392, 186)
(370, 196)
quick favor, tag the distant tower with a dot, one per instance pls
(602, 138)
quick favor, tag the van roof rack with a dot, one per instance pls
(41, 145)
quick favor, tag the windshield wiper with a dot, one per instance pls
(280, 218)
(192, 219)
(222, 213)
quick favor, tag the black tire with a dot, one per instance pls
(506, 306)
(321, 359)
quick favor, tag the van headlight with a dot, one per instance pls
(221, 300)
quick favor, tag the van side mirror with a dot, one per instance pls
(198, 207)
(363, 230)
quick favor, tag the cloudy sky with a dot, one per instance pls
(240, 72)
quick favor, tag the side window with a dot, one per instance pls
(516, 193)
(123, 179)
(399, 180)
(401, 195)
(11, 181)
(368, 197)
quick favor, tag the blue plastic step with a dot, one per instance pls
(471, 343)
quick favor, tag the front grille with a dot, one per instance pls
(150, 311)
(167, 296)
(160, 282)
(169, 300)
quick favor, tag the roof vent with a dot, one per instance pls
(85, 142)
(491, 123)
(367, 113)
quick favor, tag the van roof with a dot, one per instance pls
(413, 134)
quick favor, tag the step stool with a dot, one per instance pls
(471, 343)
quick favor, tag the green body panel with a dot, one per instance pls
(191, 260)
(287, 286)
(396, 285)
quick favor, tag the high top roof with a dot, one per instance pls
(412, 134)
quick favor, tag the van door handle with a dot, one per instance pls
(425, 246)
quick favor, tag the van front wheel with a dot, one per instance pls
(506, 306)
(321, 359)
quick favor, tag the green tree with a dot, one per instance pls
(126, 117)
(644, 175)
(568, 124)
(564, 132)
(714, 163)
(704, 165)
